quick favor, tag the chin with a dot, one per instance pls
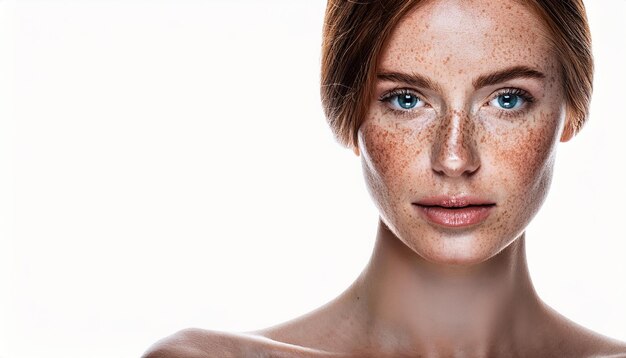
(467, 253)
(456, 247)
(463, 250)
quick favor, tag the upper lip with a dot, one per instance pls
(454, 201)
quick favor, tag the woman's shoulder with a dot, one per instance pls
(578, 340)
(602, 346)
(197, 343)
(201, 343)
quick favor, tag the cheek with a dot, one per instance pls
(526, 157)
(389, 155)
(390, 149)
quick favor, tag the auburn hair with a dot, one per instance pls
(355, 30)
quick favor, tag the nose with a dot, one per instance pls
(454, 151)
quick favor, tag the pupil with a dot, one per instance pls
(507, 101)
(407, 101)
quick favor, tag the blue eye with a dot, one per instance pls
(407, 101)
(507, 101)
(511, 99)
(403, 100)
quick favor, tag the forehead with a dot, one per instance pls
(446, 37)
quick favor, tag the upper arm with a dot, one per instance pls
(194, 343)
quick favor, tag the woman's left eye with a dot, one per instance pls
(510, 99)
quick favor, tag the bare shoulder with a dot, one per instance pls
(606, 347)
(200, 343)
(592, 344)
(583, 342)
(575, 340)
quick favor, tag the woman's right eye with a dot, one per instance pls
(403, 100)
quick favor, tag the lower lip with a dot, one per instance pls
(460, 217)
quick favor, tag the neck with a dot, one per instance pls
(442, 309)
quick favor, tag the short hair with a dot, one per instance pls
(354, 33)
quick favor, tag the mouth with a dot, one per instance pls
(455, 212)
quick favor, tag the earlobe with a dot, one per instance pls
(356, 151)
(568, 132)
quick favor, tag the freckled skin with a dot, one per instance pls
(430, 291)
(458, 144)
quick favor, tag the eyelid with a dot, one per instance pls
(515, 91)
(523, 94)
(397, 91)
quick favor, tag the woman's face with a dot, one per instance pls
(459, 141)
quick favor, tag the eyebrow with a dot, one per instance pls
(412, 79)
(503, 75)
(507, 74)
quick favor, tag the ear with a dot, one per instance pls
(356, 151)
(568, 131)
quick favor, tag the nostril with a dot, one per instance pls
(456, 170)
(454, 165)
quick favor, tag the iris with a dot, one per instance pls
(507, 101)
(407, 101)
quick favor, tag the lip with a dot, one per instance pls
(455, 211)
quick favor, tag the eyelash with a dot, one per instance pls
(386, 98)
(527, 98)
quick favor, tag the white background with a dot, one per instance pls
(166, 164)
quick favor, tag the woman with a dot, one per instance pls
(455, 110)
